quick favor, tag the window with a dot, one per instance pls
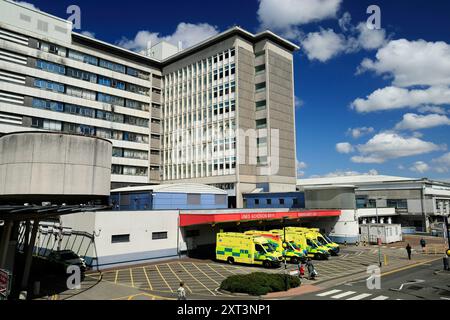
(256, 202)
(261, 124)
(194, 199)
(260, 53)
(75, 55)
(281, 201)
(261, 105)
(120, 238)
(50, 67)
(269, 201)
(259, 87)
(159, 235)
(260, 69)
(112, 66)
(49, 85)
(220, 199)
(49, 105)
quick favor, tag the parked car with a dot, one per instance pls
(65, 258)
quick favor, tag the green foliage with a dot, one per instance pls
(258, 283)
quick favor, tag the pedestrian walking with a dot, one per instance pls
(301, 270)
(408, 250)
(311, 270)
(181, 292)
(423, 244)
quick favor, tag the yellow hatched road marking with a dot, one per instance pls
(205, 274)
(178, 277)
(215, 270)
(197, 279)
(148, 280)
(157, 269)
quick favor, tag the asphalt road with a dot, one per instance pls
(416, 283)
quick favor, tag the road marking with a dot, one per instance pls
(344, 294)
(360, 296)
(197, 279)
(179, 279)
(214, 270)
(117, 275)
(409, 267)
(157, 269)
(131, 277)
(148, 280)
(381, 298)
(206, 274)
(407, 283)
(324, 294)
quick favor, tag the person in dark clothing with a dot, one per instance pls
(311, 270)
(423, 244)
(408, 250)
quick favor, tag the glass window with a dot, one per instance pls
(75, 55)
(260, 69)
(120, 238)
(159, 235)
(50, 67)
(261, 105)
(112, 66)
(260, 86)
(49, 85)
(261, 123)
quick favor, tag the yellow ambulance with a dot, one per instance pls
(294, 255)
(240, 248)
(320, 239)
(301, 241)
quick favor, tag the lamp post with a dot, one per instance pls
(284, 254)
(378, 232)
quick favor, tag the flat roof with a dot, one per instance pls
(196, 188)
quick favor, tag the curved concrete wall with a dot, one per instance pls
(45, 163)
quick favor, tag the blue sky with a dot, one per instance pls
(400, 97)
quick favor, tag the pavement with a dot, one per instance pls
(202, 278)
(420, 281)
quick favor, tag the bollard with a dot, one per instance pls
(385, 260)
(446, 266)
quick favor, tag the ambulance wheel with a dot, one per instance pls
(230, 260)
(267, 264)
(295, 260)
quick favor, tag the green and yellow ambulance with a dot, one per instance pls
(293, 255)
(301, 241)
(320, 239)
(248, 249)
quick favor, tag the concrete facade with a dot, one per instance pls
(45, 164)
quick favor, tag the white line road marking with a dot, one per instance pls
(324, 294)
(344, 294)
(381, 298)
(360, 296)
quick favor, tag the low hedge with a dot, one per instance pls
(258, 283)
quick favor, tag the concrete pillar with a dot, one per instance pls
(4, 242)
(29, 255)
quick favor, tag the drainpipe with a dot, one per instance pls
(424, 213)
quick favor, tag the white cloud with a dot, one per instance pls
(433, 109)
(390, 145)
(327, 44)
(286, 15)
(420, 167)
(189, 34)
(412, 63)
(413, 121)
(300, 168)
(299, 102)
(370, 39)
(344, 147)
(442, 164)
(27, 4)
(359, 132)
(324, 45)
(396, 98)
(88, 34)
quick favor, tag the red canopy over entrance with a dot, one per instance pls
(190, 219)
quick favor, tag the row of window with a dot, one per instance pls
(89, 59)
(54, 125)
(89, 112)
(91, 77)
(130, 154)
(128, 170)
(90, 95)
(123, 238)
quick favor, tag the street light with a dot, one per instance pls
(284, 254)
(378, 232)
